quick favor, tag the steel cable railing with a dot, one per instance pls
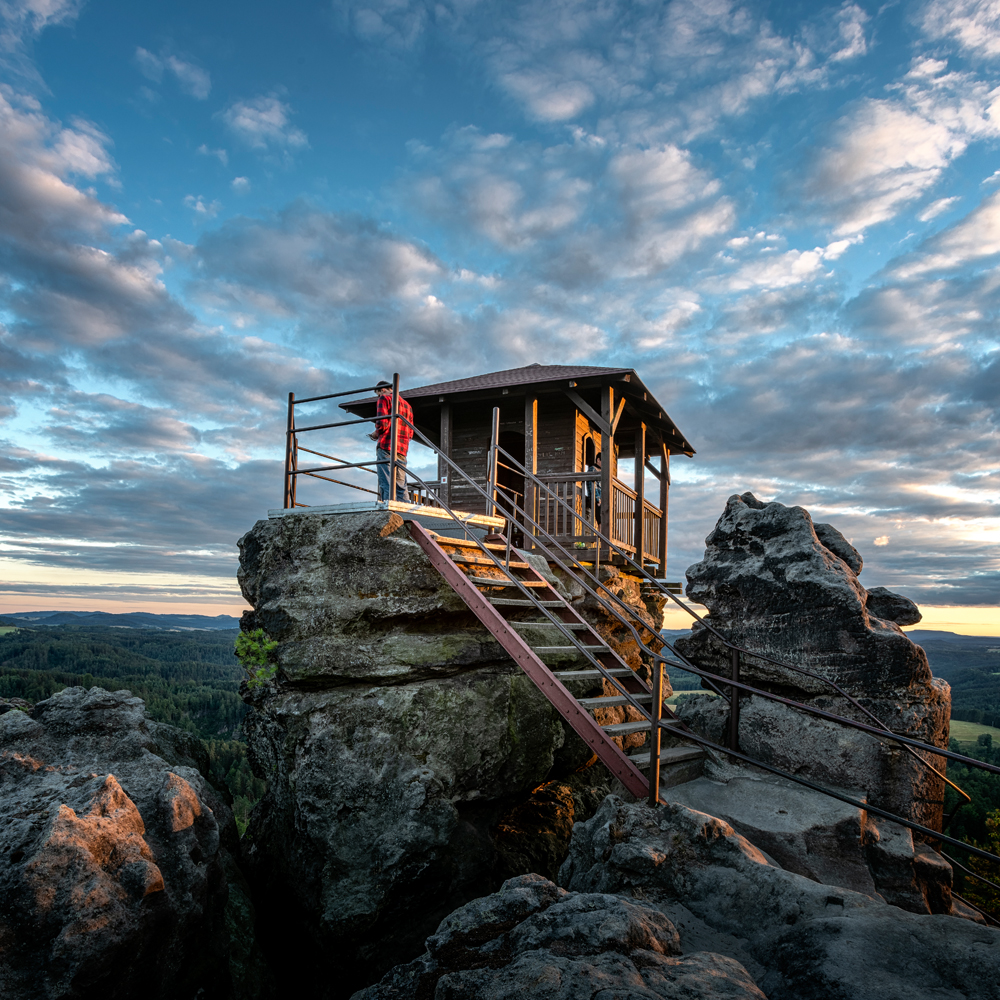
(732, 646)
(674, 725)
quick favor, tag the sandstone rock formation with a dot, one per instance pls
(778, 584)
(398, 739)
(799, 939)
(113, 855)
(534, 938)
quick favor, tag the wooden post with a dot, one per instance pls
(530, 463)
(655, 734)
(491, 464)
(639, 485)
(289, 491)
(393, 436)
(608, 465)
(664, 499)
(444, 470)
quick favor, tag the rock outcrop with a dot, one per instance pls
(399, 741)
(114, 853)
(800, 940)
(533, 938)
(778, 584)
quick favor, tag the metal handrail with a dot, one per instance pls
(674, 725)
(733, 647)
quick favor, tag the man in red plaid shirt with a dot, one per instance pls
(382, 435)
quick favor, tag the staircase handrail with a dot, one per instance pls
(732, 646)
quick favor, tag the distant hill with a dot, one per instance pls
(133, 619)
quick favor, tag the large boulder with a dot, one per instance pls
(801, 940)
(114, 853)
(778, 584)
(399, 741)
(534, 938)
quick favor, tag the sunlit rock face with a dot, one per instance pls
(398, 739)
(776, 583)
(113, 855)
(533, 938)
(796, 937)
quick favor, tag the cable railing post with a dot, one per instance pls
(393, 436)
(734, 704)
(655, 734)
(289, 492)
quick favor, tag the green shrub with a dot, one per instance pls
(253, 650)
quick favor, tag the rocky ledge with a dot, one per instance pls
(117, 870)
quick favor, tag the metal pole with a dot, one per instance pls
(655, 733)
(393, 436)
(734, 705)
(491, 465)
(289, 430)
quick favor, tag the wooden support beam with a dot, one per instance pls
(608, 463)
(444, 475)
(618, 415)
(588, 411)
(664, 497)
(653, 469)
(639, 485)
(530, 463)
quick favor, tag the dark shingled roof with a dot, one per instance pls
(513, 376)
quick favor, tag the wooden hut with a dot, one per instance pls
(554, 420)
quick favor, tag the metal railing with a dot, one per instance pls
(550, 544)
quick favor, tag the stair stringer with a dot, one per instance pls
(561, 699)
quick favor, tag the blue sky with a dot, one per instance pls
(786, 217)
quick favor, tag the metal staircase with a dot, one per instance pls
(516, 604)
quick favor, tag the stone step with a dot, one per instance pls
(669, 755)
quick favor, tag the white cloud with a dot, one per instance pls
(935, 208)
(241, 185)
(192, 80)
(890, 151)
(205, 210)
(263, 123)
(220, 154)
(973, 24)
(881, 541)
(794, 267)
(22, 20)
(971, 239)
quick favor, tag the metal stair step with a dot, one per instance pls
(627, 728)
(575, 649)
(669, 755)
(592, 675)
(522, 602)
(485, 581)
(483, 561)
(572, 626)
(613, 700)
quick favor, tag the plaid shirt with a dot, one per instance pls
(384, 427)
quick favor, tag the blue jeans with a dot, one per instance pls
(382, 455)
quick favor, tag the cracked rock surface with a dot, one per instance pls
(113, 851)
(533, 937)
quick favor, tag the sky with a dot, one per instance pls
(785, 217)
